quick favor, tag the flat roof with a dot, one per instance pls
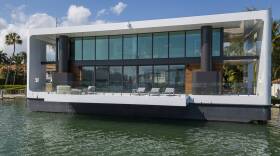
(157, 25)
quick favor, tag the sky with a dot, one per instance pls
(21, 15)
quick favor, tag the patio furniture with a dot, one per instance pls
(76, 91)
(154, 91)
(169, 91)
(63, 89)
(91, 90)
(139, 91)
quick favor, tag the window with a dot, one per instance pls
(144, 46)
(87, 76)
(193, 43)
(102, 78)
(102, 48)
(146, 77)
(50, 53)
(216, 42)
(115, 47)
(176, 44)
(161, 76)
(130, 47)
(88, 48)
(77, 49)
(177, 77)
(160, 45)
(129, 78)
(116, 79)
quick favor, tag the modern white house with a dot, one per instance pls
(212, 67)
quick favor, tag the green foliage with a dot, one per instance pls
(275, 50)
(13, 87)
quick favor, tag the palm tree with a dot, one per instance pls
(12, 39)
(275, 49)
(18, 59)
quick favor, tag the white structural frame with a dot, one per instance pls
(263, 93)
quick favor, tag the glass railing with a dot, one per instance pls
(82, 87)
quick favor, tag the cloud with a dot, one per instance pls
(18, 15)
(76, 15)
(3, 23)
(37, 20)
(118, 8)
(101, 12)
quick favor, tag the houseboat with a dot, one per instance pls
(212, 67)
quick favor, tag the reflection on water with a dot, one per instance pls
(26, 133)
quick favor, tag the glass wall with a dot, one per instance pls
(177, 77)
(87, 76)
(177, 44)
(50, 53)
(88, 48)
(145, 76)
(78, 49)
(102, 48)
(102, 78)
(129, 78)
(116, 79)
(145, 46)
(244, 39)
(193, 43)
(161, 76)
(160, 45)
(129, 46)
(216, 42)
(115, 47)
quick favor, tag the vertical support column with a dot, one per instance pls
(63, 53)
(264, 74)
(206, 48)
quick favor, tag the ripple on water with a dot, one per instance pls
(26, 133)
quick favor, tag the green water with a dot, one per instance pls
(30, 133)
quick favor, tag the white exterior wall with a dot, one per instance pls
(262, 97)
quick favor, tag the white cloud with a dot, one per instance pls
(118, 8)
(101, 12)
(3, 23)
(99, 22)
(37, 20)
(18, 15)
(77, 15)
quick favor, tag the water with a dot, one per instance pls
(33, 133)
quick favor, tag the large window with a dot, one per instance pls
(102, 48)
(160, 45)
(88, 48)
(161, 76)
(145, 46)
(130, 46)
(129, 78)
(177, 77)
(50, 53)
(216, 42)
(116, 79)
(102, 78)
(77, 49)
(115, 47)
(87, 76)
(146, 77)
(193, 43)
(177, 44)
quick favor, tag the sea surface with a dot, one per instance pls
(33, 133)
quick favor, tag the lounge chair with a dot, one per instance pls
(139, 91)
(154, 91)
(169, 91)
(76, 91)
(91, 90)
